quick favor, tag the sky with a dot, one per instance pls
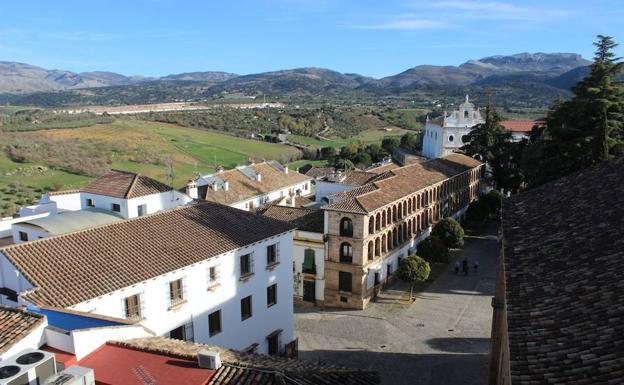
(373, 38)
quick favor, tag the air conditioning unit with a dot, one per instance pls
(74, 375)
(31, 366)
(208, 359)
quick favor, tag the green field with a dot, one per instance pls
(296, 164)
(367, 136)
(138, 142)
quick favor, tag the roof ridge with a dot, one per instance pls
(134, 180)
(46, 239)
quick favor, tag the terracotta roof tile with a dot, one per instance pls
(563, 257)
(124, 184)
(16, 324)
(303, 218)
(252, 369)
(72, 268)
(400, 182)
(521, 125)
(242, 187)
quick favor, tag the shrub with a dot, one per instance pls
(450, 232)
(478, 211)
(493, 199)
(433, 250)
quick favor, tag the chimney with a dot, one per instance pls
(286, 169)
(214, 186)
(259, 177)
(226, 185)
(191, 189)
(219, 169)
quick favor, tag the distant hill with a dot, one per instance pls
(535, 77)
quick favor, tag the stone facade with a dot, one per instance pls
(380, 238)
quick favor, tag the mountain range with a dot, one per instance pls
(549, 72)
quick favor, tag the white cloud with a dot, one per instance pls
(405, 24)
(499, 10)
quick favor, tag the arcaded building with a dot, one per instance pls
(368, 229)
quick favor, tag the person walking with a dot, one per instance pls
(476, 266)
(465, 266)
(456, 267)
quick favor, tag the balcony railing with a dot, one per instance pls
(309, 269)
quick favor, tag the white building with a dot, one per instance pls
(206, 272)
(308, 250)
(249, 187)
(110, 197)
(445, 135)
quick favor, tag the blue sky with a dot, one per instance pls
(374, 38)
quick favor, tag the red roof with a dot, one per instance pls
(116, 365)
(521, 125)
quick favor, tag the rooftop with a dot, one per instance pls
(243, 183)
(563, 253)
(16, 324)
(399, 182)
(521, 125)
(74, 267)
(256, 369)
(118, 365)
(125, 184)
(303, 218)
(69, 221)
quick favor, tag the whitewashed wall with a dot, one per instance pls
(10, 277)
(69, 202)
(32, 232)
(309, 240)
(200, 301)
(274, 195)
(129, 207)
(324, 189)
(7, 223)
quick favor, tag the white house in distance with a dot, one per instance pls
(110, 197)
(308, 250)
(249, 187)
(205, 272)
(444, 135)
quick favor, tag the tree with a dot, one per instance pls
(493, 200)
(344, 164)
(433, 250)
(410, 141)
(328, 153)
(492, 143)
(390, 142)
(450, 232)
(477, 212)
(413, 270)
(375, 151)
(585, 130)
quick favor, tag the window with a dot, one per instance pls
(23, 236)
(272, 254)
(308, 262)
(214, 323)
(183, 333)
(245, 308)
(272, 295)
(451, 138)
(176, 295)
(213, 276)
(132, 307)
(346, 252)
(141, 210)
(246, 265)
(346, 227)
(344, 281)
(273, 342)
(115, 207)
(376, 279)
(90, 202)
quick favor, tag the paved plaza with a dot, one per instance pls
(441, 338)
